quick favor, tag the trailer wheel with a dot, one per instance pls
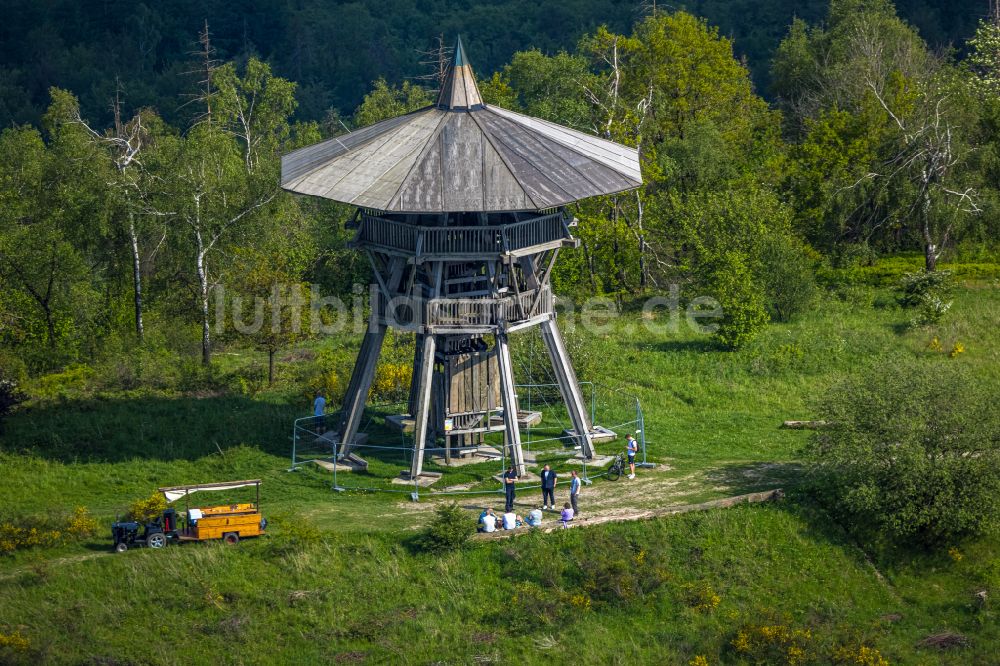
(158, 540)
(232, 538)
(121, 547)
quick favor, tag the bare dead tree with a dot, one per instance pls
(927, 157)
(125, 143)
(614, 119)
(435, 61)
(204, 68)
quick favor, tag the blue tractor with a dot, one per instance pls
(155, 533)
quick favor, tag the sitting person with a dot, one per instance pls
(535, 518)
(567, 515)
(488, 521)
(511, 520)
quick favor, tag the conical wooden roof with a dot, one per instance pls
(461, 155)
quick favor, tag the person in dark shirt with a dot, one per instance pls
(509, 478)
(548, 488)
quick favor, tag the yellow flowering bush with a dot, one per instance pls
(774, 643)
(81, 524)
(14, 641)
(957, 348)
(702, 597)
(146, 509)
(16, 537)
(391, 382)
(860, 656)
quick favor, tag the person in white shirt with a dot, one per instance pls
(534, 518)
(511, 520)
(489, 522)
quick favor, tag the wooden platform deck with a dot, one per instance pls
(598, 434)
(349, 463)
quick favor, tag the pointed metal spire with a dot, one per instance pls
(460, 92)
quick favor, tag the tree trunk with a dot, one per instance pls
(930, 247)
(50, 325)
(136, 276)
(206, 341)
(643, 267)
(270, 367)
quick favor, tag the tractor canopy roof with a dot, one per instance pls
(175, 493)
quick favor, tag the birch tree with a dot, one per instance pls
(215, 202)
(125, 146)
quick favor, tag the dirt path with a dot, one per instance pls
(652, 490)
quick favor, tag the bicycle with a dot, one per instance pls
(617, 468)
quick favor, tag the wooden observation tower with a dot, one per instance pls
(461, 214)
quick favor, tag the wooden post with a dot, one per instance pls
(512, 436)
(357, 389)
(421, 421)
(568, 386)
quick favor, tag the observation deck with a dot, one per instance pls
(472, 316)
(420, 243)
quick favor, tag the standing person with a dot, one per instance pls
(319, 412)
(574, 492)
(548, 488)
(509, 479)
(631, 448)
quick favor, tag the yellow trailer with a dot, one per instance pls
(229, 522)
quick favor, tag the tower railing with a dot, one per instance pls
(488, 312)
(493, 240)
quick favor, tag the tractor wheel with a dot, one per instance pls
(158, 540)
(121, 547)
(231, 538)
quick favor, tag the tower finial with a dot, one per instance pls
(460, 92)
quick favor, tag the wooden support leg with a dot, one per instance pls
(508, 396)
(421, 423)
(418, 350)
(568, 386)
(357, 389)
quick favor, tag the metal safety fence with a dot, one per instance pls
(386, 449)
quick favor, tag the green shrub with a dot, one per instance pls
(10, 398)
(916, 287)
(744, 315)
(913, 452)
(449, 530)
(12, 366)
(929, 292)
(788, 276)
(73, 382)
(291, 533)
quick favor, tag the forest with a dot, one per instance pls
(92, 47)
(122, 234)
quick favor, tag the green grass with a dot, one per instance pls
(368, 598)
(358, 593)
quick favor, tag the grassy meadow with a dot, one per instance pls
(338, 579)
